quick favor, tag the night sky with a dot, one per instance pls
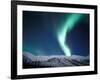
(40, 32)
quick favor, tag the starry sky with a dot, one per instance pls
(47, 33)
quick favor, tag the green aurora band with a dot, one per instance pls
(63, 32)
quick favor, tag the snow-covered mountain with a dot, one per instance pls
(31, 61)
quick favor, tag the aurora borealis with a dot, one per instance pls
(51, 33)
(63, 32)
